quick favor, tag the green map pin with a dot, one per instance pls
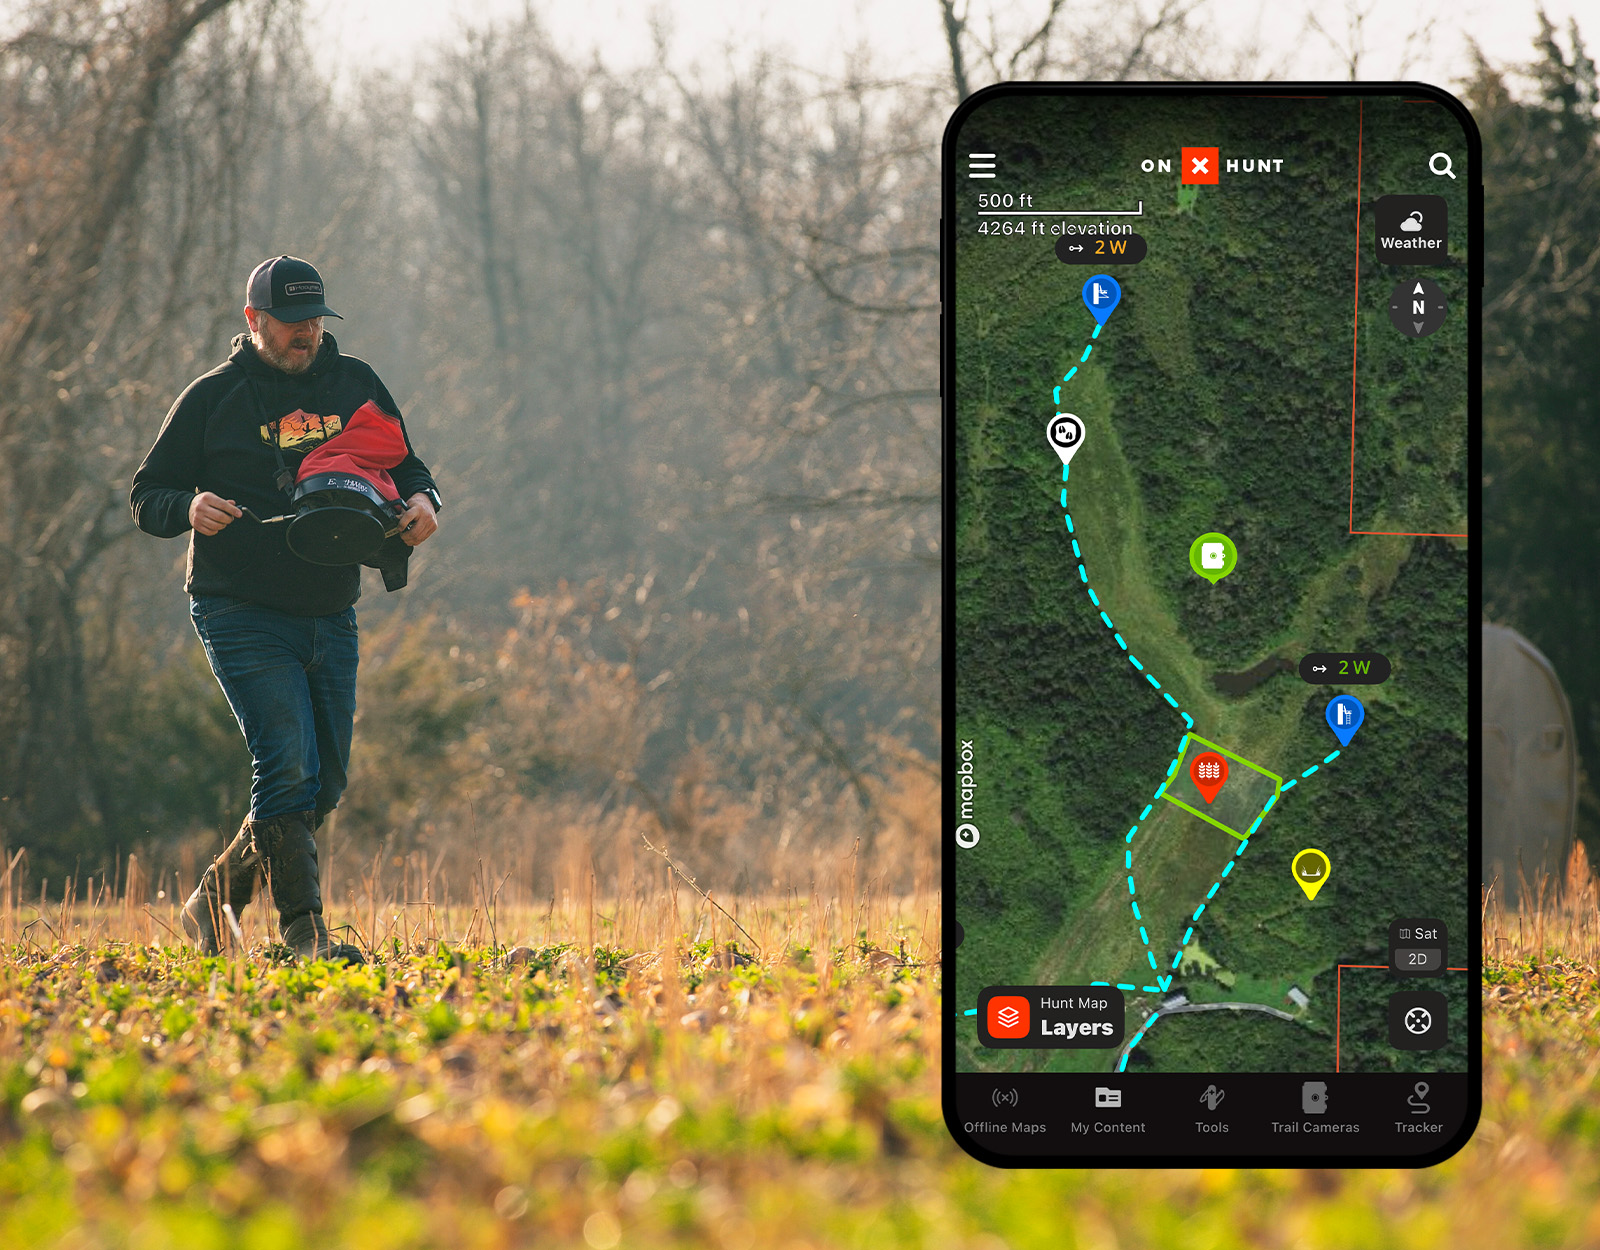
(1213, 556)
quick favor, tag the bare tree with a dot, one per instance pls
(95, 274)
(1115, 42)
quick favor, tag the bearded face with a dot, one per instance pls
(287, 345)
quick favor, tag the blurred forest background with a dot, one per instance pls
(668, 340)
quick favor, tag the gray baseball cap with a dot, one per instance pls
(287, 287)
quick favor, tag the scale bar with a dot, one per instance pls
(1057, 212)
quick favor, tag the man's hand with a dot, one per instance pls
(209, 513)
(417, 522)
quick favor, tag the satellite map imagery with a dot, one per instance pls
(1211, 556)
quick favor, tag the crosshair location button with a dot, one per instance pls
(1418, 1020)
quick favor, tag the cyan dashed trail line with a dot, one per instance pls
(1211, 894)
(1162, 980)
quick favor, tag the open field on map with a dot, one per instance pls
(1176, 858)
(1237, 804)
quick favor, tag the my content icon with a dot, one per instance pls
(1212, 1097)
(1104, 1097)
(1314, 1097)
(1418, 1099)
(1412, 223)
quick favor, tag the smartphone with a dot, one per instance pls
(1210, 373)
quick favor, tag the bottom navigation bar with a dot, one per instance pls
(1367, 1114)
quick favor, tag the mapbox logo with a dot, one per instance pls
(1008, 1016)
(1202, 165)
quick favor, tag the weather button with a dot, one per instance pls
(1412, 230)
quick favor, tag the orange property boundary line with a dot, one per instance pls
(1355, 339)
(1338, 1010)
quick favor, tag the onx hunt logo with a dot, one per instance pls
(1201, 165)
(1205, 166)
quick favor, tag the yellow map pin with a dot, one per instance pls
(1310, 869)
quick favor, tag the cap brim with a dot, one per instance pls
(299, 312)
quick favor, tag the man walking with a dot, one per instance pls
(279, 631)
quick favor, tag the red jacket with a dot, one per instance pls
(370, 442)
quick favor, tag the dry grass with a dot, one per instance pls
(613, 1093)
(501, 1074)
(1563, 913)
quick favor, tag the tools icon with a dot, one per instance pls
(1212, 1097)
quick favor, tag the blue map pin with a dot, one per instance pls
(1345, 715)
(1100, 296)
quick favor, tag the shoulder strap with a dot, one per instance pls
(285, 475)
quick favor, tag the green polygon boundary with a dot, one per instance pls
(1277, 783)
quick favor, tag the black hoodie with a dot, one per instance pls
(219, 437)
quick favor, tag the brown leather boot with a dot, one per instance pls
(291, 850)
(231, 878)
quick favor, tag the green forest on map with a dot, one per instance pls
(1218, 396)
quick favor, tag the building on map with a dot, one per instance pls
(1298, 997)
(1177, 999)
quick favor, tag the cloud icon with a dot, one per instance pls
(1413, 222)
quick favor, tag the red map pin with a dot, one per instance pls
(1208, 772)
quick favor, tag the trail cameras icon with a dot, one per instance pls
(1213, 555)
(1314, 1098)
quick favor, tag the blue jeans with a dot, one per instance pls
(291, 681)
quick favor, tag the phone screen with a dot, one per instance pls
(1211, 827)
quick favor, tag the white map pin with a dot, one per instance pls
(1065, 433)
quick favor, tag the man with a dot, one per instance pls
(280, 632)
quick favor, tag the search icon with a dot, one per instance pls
(1439, 162)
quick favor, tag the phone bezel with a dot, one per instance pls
(947, 253)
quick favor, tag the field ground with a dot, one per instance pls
(149, 1098)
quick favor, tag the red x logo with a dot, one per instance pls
(1200, 165)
